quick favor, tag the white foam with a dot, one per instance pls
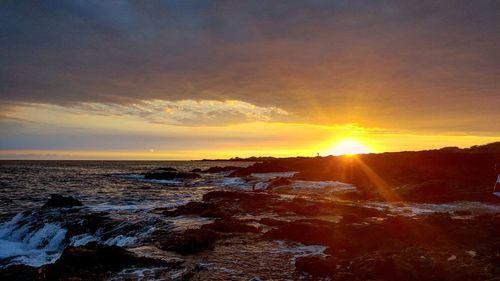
(43, 244)
(412, 209)
(141, 274)
(233, 182)
(82, 239)
(121, 240)
(299, 250)
(142, 178)
(268, 176)
(107, 207)
(333, 185)
(325, 186)
(133, 176)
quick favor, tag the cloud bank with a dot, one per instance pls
(431, 63)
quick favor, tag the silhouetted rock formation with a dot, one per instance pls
(216, 169)
(422, 176)
(59, 201)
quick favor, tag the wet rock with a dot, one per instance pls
(277, 182)
(88, 223)
(230, 226)
(317, 266)
(344, 276)
(239, 195)
(196, 170)
(211, 210)
(170, 175)
(272, 222)
(309, 232)
(18, 273)
(407, 264)
(242, 202)
(190, 241)
(59, 201)
(462, 213)
(94, 262)
(350, 218)
(213, 170)
(309, 207)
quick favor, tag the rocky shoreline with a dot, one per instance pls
(361, 243)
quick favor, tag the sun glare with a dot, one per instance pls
(349, 147)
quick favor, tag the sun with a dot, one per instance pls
(349, 147)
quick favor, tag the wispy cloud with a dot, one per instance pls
(182, 112)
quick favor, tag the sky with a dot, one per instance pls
(217, 79)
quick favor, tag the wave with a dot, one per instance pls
(39, 237)
(25, 241)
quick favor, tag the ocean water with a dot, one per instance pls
(101, 184)
(32, 236)
(116, 194)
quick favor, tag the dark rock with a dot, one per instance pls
(317, 266)
(272, 222)
(309, 232)
(344, 276)
(238, 195)
(59, 201)
(405, 264)
(170, 175)
(462, 213)
(420, 176)
(88, 223)
(230, 226)
(190, 241)
(243, 202)
(211, 210)
(269, 166)
(94, 262)
(351, 218)
(308, 207)
(18, 273)
(197, 170)
(277, 182)
(214, 170)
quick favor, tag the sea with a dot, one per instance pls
(118, 190)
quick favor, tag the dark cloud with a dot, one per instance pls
(326, 61)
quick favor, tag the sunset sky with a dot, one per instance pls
(218, 79)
